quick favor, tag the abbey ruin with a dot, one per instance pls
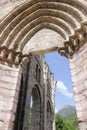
(32, 27)
(38, 83)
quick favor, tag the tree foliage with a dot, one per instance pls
(61, 124)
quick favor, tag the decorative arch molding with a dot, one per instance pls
(67, 18)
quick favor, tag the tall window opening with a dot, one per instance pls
(34, 122)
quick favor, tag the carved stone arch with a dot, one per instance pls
(16, 26)
(66, 18)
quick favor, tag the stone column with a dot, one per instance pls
(78, 67)
(9, 89)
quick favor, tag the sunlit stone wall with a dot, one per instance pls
(9, 89)
(79, 79)
(6, 6)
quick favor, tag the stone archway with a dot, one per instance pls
(68, 19)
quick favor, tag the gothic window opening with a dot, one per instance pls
(34, 122)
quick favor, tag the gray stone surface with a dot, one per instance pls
(37, 88)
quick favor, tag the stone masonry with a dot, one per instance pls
(24, 24)
(9, 91)
(78, 67)
(40, 84)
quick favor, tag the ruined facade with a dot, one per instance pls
(31, 27)
(37, 83)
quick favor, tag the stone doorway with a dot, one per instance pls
(67, 22)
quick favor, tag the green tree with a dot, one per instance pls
(61, 124)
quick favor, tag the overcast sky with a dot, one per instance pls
(59, 65)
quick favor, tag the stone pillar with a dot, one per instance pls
(9, 89)
(78, 67)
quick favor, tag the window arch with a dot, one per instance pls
(35, 120)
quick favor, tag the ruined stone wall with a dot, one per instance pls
(32, 81)
(42, 83)
(78, 67)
